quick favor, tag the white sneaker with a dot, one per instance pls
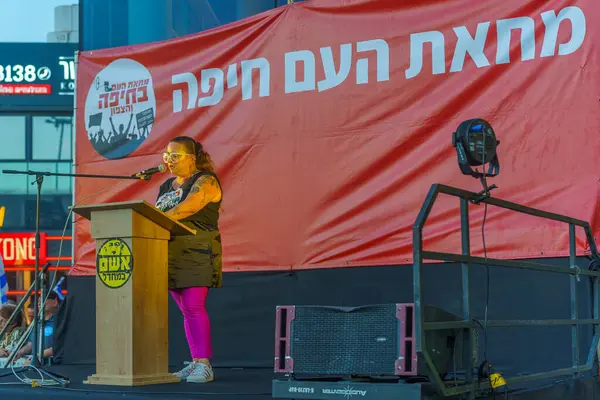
(185, 372)
(201, 374)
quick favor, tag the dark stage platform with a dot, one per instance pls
(247, 383)
(258, 383)
(243, 325)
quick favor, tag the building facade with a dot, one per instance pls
(37, 84)
(113, 23)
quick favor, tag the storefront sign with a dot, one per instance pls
(34, 74)
(19, 248)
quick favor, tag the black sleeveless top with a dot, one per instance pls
(207, 218)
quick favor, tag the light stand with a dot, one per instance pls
(485, 193)
(37, 343)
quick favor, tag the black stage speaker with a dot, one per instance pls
(374, 340)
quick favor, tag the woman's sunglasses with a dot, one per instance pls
(173, 157)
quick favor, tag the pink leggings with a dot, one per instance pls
(191, 302)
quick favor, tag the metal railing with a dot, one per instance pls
(20, 308)
(473, 385)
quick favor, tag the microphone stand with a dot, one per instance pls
(37, 350)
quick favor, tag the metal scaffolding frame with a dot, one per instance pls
(472, 384)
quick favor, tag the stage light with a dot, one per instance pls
(476, 145)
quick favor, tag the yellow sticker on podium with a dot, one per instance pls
(114, 263)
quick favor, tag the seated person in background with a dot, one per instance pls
(13, 334)
(52, 306)
(29, 313)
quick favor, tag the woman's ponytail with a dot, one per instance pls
(203, 160)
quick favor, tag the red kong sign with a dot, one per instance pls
(19, 248)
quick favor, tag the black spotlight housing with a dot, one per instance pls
(476, 145)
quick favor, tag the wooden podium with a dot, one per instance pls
(132, 334)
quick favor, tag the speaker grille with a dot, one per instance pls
(333, 341)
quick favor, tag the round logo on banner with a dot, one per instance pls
(114, 263)
(120, 108)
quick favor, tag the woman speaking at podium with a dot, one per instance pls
(193, 197)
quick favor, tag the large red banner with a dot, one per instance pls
(329, 121)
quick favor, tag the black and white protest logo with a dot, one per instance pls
(120, 108)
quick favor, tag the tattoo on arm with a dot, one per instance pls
(204, 190)
(203, 184)
(174, 213)
(198, 193)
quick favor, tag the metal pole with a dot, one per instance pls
(73, 151)
(574, 300)
(469, 338)
(37, 320)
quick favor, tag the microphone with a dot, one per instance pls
(147, 173)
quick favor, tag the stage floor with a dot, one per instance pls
(253, 384)
(237, 383)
